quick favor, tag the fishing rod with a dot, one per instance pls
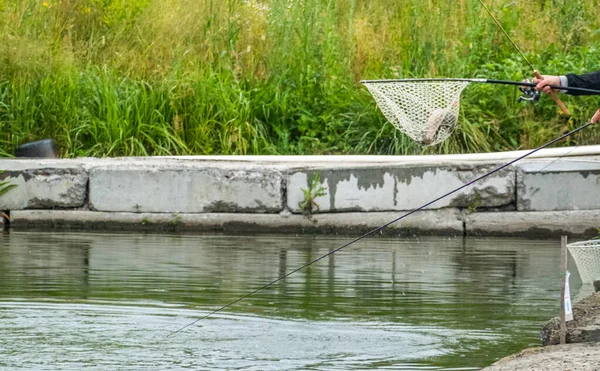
(269, 284)
(485, 81)
(536, 73)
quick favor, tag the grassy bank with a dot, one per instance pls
(150, 77)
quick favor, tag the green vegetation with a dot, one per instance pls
(176, 220)
(157, 77)
(308, 205)
(5, 186)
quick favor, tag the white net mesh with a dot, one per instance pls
(426, 111)
(586, 255)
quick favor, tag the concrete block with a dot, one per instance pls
(534, 224)
(438, 222)
(558, 184)
(403, 188)
(44, 188)
(185, 190)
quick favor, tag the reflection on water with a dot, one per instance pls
(76, 299)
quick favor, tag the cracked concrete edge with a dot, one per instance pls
(435, 222)
(544, 224)
(579, 223)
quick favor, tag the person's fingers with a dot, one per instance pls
(542, 86)
(596, 117)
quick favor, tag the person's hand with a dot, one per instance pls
(596, 117)
(542, 85)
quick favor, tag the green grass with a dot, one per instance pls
(170, 77)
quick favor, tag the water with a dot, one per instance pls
(99, 301)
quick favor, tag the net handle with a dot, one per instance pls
(484, 81)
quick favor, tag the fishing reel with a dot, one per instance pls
(529, 93)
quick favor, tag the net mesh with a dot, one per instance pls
(426, 111)
(586, 255)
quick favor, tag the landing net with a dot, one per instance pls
(586, 255)
(426, 111)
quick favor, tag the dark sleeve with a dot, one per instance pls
(587, 81)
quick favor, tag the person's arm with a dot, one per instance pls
(588, 81)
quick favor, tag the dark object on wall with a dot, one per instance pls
(45, 148)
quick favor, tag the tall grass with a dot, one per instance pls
(157, 77)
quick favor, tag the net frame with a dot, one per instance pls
(426, 110)
(397, 119)
(586, 255)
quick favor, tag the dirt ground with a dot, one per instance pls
(571, 357)
(581, 353)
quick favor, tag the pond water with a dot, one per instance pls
(108, 301)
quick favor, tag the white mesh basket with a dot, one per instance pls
(586, 255)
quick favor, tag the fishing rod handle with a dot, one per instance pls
(554, 96)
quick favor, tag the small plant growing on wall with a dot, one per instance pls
(308, 205)
(474, 204)
(4, 188)
(176, 219)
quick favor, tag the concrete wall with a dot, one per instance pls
(43, 187)
(569, 184)
(394, 188)
(185, 190)
(532, 197)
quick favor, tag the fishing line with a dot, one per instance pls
(557, 159)
(565, 155)
(506, 33)
(381, 228)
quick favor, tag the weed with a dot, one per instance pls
(308, 205)
(474, 204)
(176, 220)
(5, 186)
